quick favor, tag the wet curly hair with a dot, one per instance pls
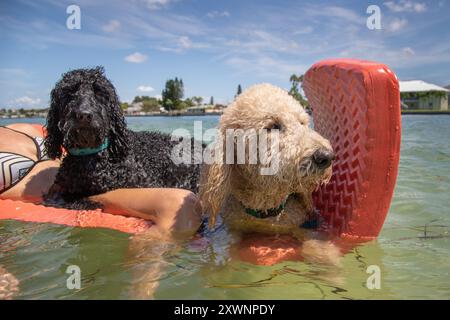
(84, 113)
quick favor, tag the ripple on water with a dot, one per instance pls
(114, 267)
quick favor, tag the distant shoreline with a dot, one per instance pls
(428, 112)
(137, 115)
(407, 112)
(175, 115)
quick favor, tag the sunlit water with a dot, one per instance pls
(114, 266)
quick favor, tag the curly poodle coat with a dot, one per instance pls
(85, 113)
(304, 162)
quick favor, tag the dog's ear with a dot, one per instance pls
(54, 139)
(118, 137)
(214, 188)
(118, 134)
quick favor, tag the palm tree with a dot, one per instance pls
(295, 92)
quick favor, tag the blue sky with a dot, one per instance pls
(212, 45)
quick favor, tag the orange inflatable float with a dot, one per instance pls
(29, 212)
(356, 105)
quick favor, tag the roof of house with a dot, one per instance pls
(419, 86)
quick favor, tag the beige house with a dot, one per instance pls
(420, 95)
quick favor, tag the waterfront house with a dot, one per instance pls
(196, 109)
(448, 96)
(420, 95)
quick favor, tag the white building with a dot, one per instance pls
(418, 94)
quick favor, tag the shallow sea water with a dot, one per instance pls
(113, 265)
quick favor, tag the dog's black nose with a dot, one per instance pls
(84, 116)
(323, 158)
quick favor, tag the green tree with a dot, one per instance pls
(173, 93)
(168, 104)
(142, 99)
(190, 102)
(124, 106)
(198, 100)
(295, 91)
(182, 105)
(150, 104)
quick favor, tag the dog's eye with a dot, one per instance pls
(98, 90)
(273, 126)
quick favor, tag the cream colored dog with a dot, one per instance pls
(280, 202)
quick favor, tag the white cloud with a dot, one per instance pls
(408, 51)
(145, 88)
(305, 30)
(186, 43)
(335, 12)
(406, 6)
(111, 26)
(256, 40)
(27, 101)
(157, 4)
(265, 66)
(217, 14)
(183, 43)
(136, 57)
(397, 24)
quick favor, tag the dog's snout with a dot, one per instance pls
(323, 158)
(84, 116)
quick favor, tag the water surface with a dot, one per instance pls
(113, 266)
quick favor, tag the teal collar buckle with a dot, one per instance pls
(263, 214)
(89, 151)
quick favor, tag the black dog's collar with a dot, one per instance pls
(89, 151)
(263, 214)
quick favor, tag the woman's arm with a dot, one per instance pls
(175, 212)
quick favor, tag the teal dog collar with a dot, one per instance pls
(89, 151)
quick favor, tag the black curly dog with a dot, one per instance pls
(85, 115)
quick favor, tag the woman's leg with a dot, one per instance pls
(176, 214)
